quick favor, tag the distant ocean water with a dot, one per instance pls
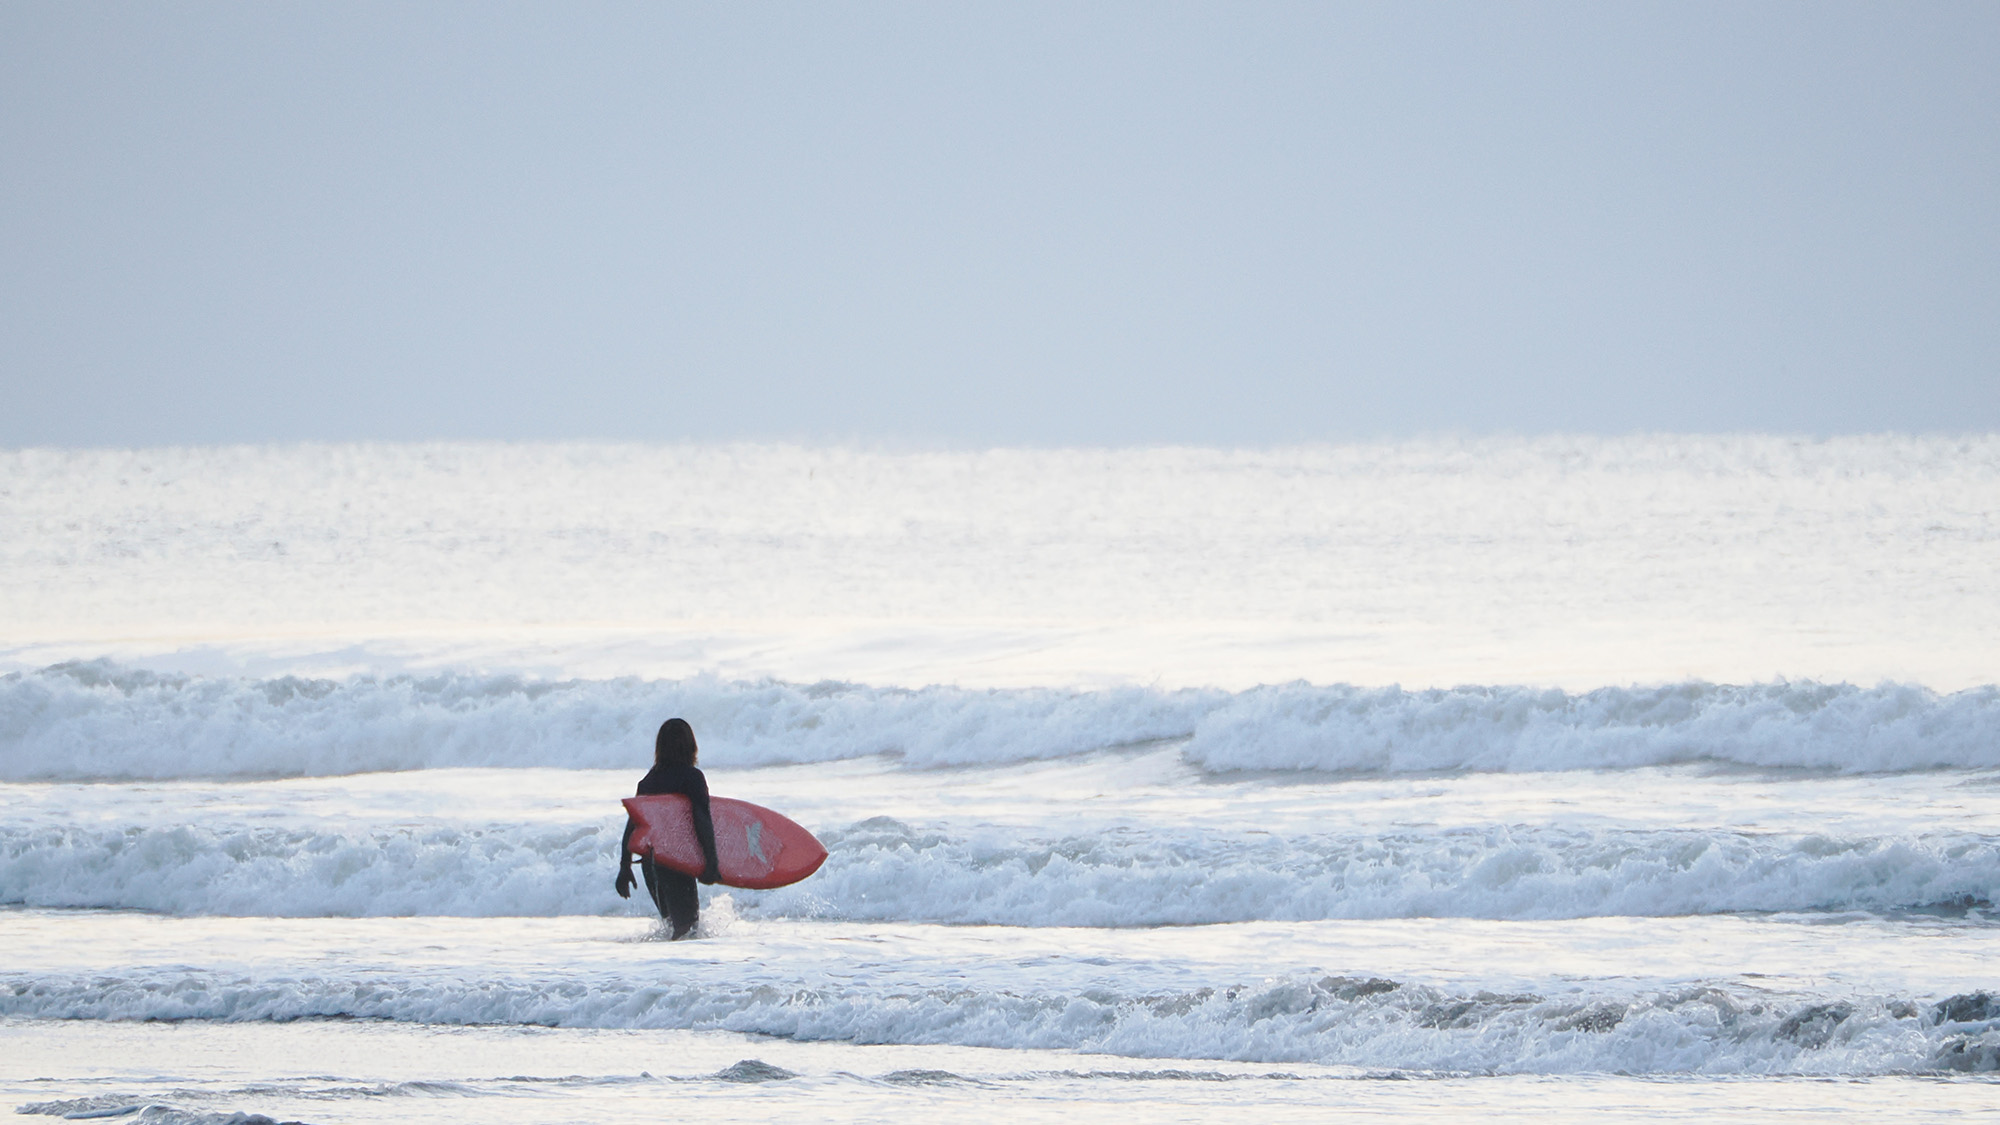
(1574, 562)
(1192, 779)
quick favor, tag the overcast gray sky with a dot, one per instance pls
(995, 224)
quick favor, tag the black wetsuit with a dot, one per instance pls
(673, 892)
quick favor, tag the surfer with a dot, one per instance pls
(674, 771)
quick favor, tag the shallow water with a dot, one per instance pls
(348, 1071)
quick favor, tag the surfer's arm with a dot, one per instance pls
(623, 883)
(704, 826)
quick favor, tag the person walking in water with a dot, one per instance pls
(674, 771)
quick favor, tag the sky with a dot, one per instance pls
(994, 224)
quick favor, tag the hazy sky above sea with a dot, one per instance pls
(995, 224)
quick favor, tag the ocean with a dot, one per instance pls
(1614, 779)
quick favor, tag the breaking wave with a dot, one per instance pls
(1304, 1018)
(884, 870)
(99, 720)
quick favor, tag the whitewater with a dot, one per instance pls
(1585, 777)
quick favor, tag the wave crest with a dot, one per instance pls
(99, 720)
(1295, 1018)
(1835, 727)
(883, 870)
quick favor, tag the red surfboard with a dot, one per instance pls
(755, 848)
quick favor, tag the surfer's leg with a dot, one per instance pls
(680, 900)
(655, 884)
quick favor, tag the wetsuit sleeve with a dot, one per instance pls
(704, 825)
(622, 883)
(625, 840)
(631, 822)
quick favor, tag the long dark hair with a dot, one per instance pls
(674, 745)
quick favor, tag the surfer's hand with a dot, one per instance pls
(623, 884)
(710, 875)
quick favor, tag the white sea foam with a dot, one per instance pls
(98, 720)
(1369, 1022)
(101, 720)
(1777, 725)
(889, 871)
(883, 870)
